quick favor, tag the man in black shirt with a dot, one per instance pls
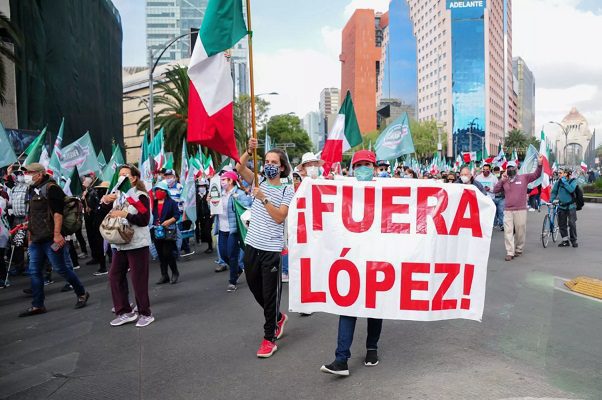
(45, 220)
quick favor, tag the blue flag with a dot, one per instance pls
(396, 140)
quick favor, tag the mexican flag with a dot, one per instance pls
(211, 94)
(546, 172)
(583, 166)
(156, 150)
(189, 191)
(184, 164)
(469, 156)
(208, 169)
(345, 134)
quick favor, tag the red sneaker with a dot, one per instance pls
(266, 349)
(280, 326)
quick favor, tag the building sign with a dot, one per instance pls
(466, 4)
(468, 75)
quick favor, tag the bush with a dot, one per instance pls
(596, 187)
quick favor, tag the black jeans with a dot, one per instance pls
(166, 250)
(263, 272)
(567, 222)
(81, 241)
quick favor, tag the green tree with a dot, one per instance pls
(242, 118)
(173, 116)
(516, 139)
(9, 35)
(425, 136)
(285, 129)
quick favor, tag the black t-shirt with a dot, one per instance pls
(54, 194)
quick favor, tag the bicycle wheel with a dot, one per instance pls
(555, 230)
(545, 231)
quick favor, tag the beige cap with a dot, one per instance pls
(35, 167)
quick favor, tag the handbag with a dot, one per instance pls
(163, 233)
(114, 231)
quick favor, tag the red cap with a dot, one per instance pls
(363, 155)
(230, 174)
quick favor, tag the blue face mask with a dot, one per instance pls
(271, 171)
(383, 174)
(363, 173)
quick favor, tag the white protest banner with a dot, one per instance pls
(215, 193)
(394, 249)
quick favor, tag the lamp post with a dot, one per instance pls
(470, 137)
(142, 99)
(565, 131)
(151, 85)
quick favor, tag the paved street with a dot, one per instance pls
(535, 340)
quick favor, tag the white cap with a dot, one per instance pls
(310, 157)
(511, 164)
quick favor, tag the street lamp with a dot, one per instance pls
(470, 137)
(151, 84)
(142, 100)
(566, 139)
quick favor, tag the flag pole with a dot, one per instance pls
(252, 87)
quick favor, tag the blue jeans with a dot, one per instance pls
(499, 211)
(229, 250)
(345, 339)
(285, 264)
(37, 255)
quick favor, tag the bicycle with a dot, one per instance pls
(550, 225)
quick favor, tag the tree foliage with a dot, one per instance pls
(517, 139)
(242, 118)
(425, 136)
(284, 129)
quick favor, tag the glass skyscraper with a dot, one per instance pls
(166, 19)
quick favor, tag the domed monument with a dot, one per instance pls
(576, 138)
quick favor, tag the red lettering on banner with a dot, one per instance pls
(301, 223)
(318, 206)
(468, 275)
(408, 285)
(372, 285)
(366, 222)
(354, 281)
(389, 209)
(307, 296)
(424, 210)
(451, 271)
(473, 222)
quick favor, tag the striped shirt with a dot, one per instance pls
(264, 233)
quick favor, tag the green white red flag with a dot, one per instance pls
(345, 134)
(211, 94)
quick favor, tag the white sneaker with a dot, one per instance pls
(124, 319)
(284, 278)
(144, 321)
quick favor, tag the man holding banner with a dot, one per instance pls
(364, 167)
(346, 258)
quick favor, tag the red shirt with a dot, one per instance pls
(159, 209)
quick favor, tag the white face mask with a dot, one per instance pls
(312, 172)
(28, 179)
(202, 191)
(465, 179)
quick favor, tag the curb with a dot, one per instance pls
(592, 199)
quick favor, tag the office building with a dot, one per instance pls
(525, 86)
(330, 100)
(465, 79)
(167, 19)
(311, 124)
(361, 59)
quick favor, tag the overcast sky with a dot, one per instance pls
(297, 46)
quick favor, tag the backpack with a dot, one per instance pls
(578, 198)
(73, 212)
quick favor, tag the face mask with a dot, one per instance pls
(170, 181)
(271, 171)
(224, 184)
(486, 173)
(160, 195)
(87, 181)
(465, 179)
(312, 172)
(20, 178)
(364, 173)
(497, 174)
(511, 173)
(383, 174)
(28, 179)
(202, 191)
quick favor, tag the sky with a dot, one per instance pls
(297, 46)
